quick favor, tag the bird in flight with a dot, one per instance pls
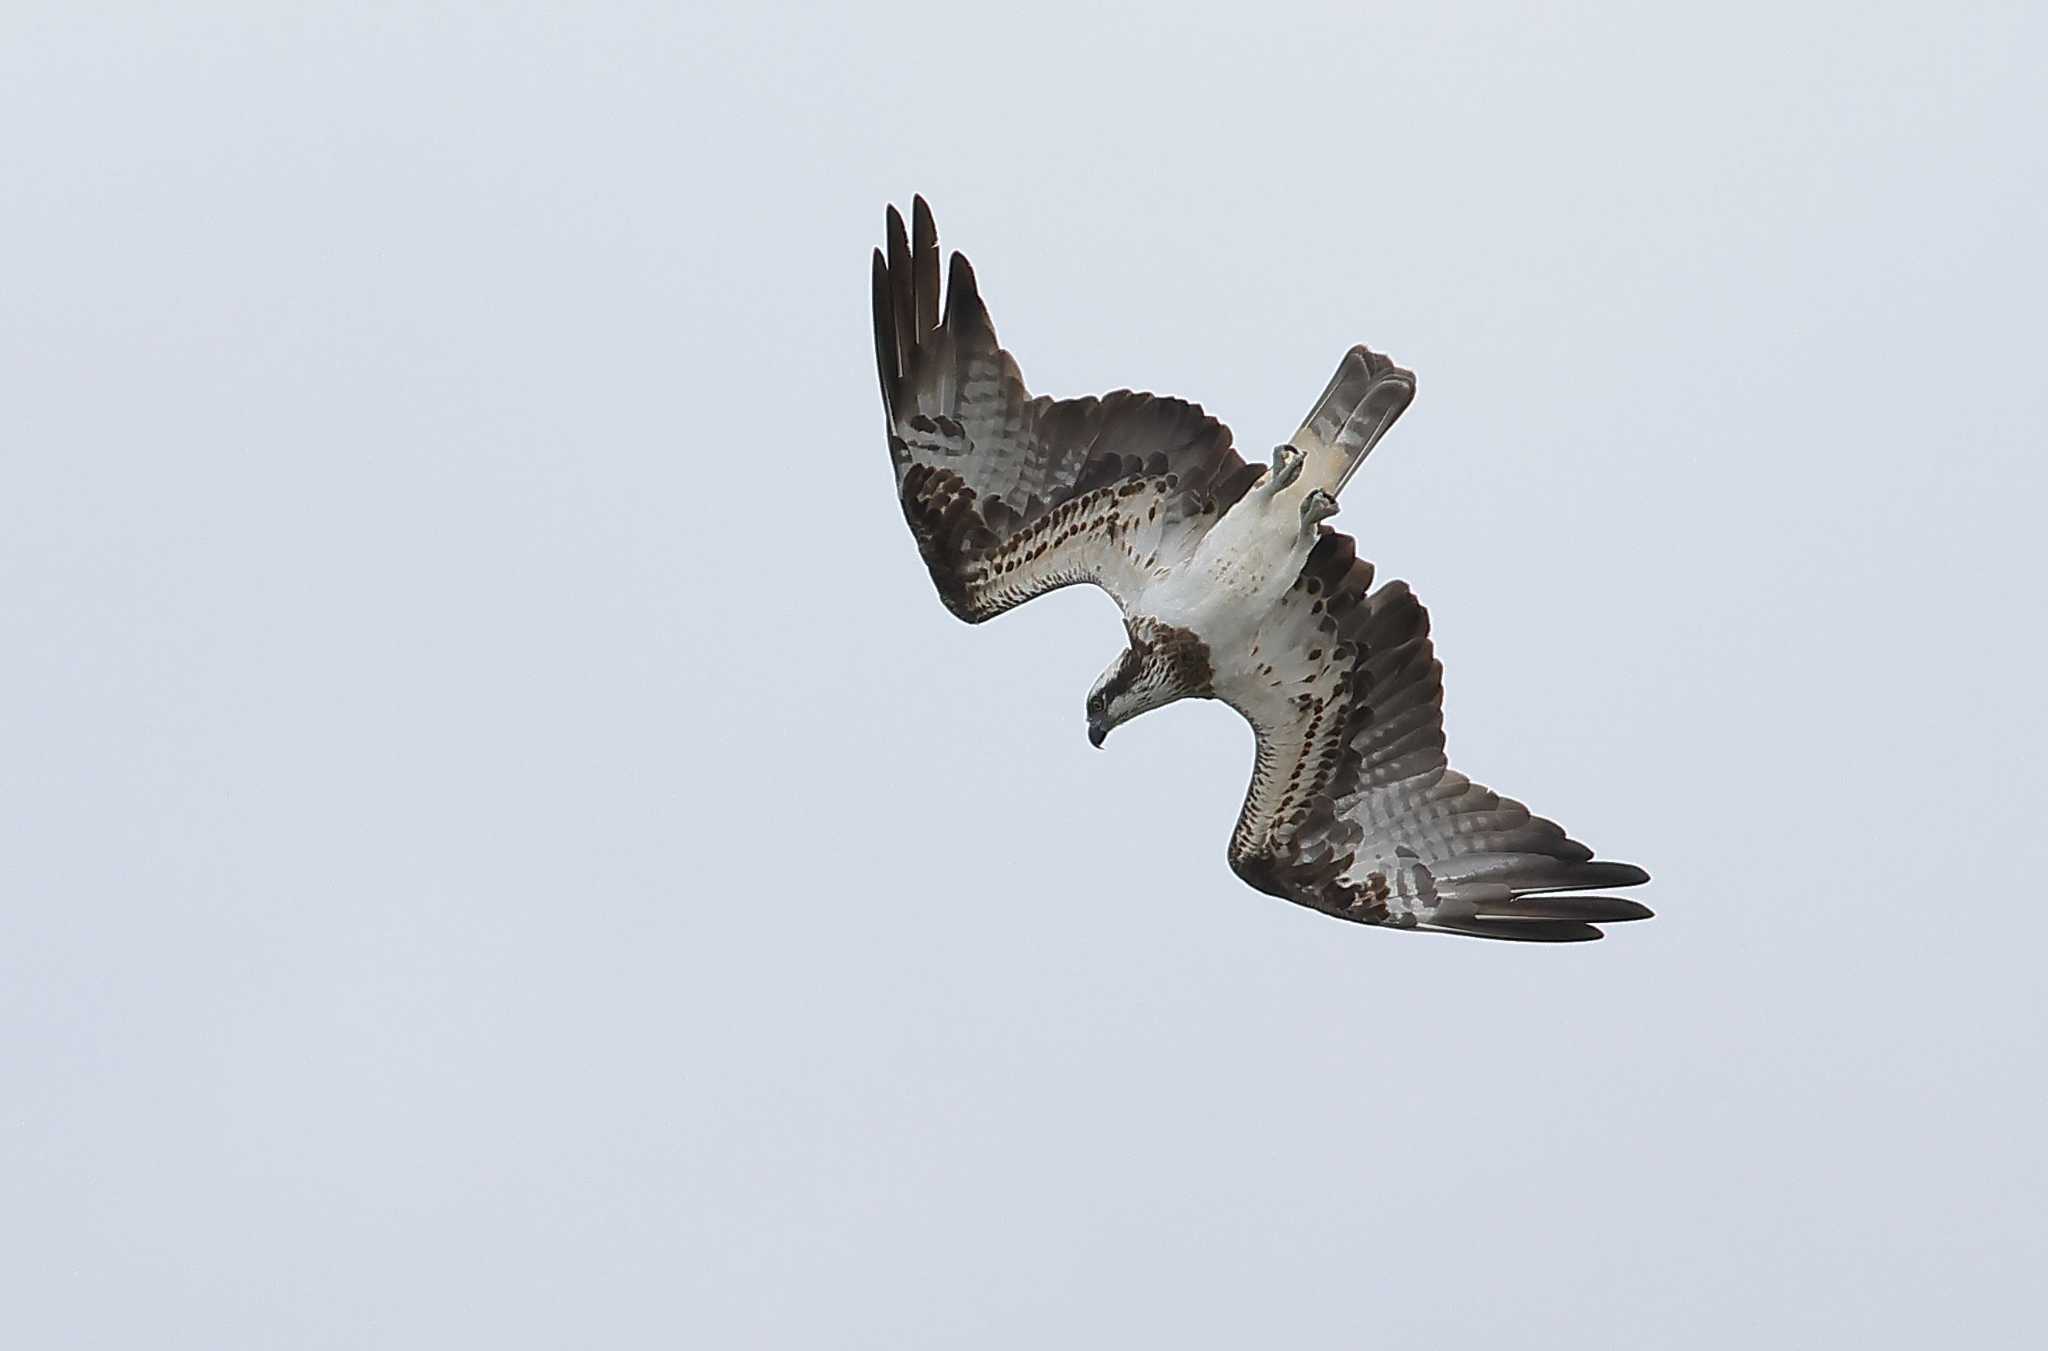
(1232, 587)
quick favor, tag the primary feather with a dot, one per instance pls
(1232, 589)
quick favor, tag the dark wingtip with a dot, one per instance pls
(924, 263)
(885, 337)
(963, 297)
(1617, 874)
(1586, 909)
(1586, 876)
(1525, 930)
(960, 271)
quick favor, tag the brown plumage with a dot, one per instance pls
(1231, 589)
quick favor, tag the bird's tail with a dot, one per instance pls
(1363, 399)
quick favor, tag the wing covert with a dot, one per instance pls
(1010, 495)
(1354, 809)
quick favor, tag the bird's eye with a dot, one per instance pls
(1094, 703)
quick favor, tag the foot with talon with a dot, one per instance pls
(1316, 507)
(1287, 466)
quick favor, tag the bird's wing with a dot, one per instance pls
(1010, 496)
(1354, 810)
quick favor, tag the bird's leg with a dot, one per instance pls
(1287, 466)
(1317, 507)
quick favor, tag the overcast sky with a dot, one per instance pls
(501, 846)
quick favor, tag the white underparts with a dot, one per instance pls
(1240, 570)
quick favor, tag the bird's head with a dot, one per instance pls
(1162, 664)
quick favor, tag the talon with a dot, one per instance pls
(1287, 466)
(1317, 506)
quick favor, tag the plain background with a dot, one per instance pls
(500, 845)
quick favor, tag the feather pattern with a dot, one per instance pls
(1010, 496)
(1231, 589)
(1363, 399)
(1354, 809)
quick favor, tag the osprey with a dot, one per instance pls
(1232, 588)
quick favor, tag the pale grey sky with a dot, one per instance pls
(499, 844)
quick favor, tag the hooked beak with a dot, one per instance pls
(1097, 732)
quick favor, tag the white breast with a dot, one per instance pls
(1241, 569)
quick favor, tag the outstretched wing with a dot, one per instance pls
(1354, 810)
(1010, 496)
